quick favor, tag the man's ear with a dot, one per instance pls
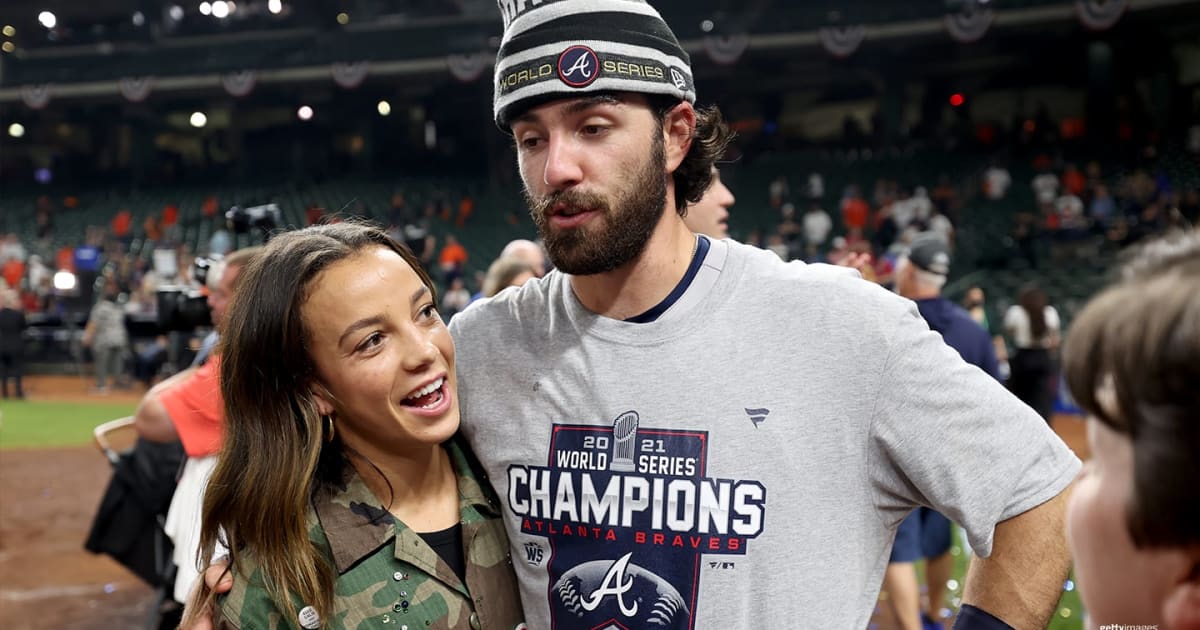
(679, 127)
(1181, 610)
(322, 398)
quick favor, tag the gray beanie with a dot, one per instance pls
(556, 49)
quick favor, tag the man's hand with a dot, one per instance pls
(218, 578)
(861, 262)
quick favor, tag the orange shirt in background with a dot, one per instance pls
(13, 271)
(453, 255)
(1074, 182)
(854, 212)
(121, 223)
(65, 258)
(466, 208)
(197, 409)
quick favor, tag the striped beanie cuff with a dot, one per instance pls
(556, 49)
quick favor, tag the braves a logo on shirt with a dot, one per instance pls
(578, 66)
(627, 512)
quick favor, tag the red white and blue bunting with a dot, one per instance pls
(136, 89)
(726, 49)
(36, 96)
(841, 41)
(467, 68)
(350, 75)
(239, 83)
(970, 24)
(1100, 15)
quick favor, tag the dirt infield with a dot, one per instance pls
(49, 581)
(76, 389)
(47, 500)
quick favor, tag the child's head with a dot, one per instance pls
(1133, 363)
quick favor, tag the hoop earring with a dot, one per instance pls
(329, 428)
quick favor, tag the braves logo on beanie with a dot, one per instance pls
(562, 48)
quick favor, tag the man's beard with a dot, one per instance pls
(622, 229)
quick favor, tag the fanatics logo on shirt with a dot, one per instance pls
(642, 498)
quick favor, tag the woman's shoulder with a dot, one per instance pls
(248, 604)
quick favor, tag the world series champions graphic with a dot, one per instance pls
(627, 512)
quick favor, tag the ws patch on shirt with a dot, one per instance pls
(627, 512)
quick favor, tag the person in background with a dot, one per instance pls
(855, 210)
(1132, 361)
(710, 215)
(453, 259)
(187, 408)
(12, 349)
(974, 301)
(817, 226)
(12, 248)
(528, 251)
(456, 298)
(1033, 326)
(504, 273)
(106, 335)
(920, 275)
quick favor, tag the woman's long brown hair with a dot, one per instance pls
(275, 447)
(1033, 300)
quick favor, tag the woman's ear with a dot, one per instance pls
(1181, 610)
(322, 398)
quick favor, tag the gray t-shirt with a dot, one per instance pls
(744, 460)
(109, 321)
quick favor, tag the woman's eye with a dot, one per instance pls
(370, 342)
(429, 311)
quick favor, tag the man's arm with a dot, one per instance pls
(151, 418)
(1021, 582)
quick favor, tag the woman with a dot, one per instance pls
(1033, 326)
(343, 492)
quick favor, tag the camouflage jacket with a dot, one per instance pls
(388, 577)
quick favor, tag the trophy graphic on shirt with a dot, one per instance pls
(624, 442)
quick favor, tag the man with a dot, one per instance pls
(188, 390)
(670, 449)
(188, 407)
(710, 215)
(920, 276)
(529, 252)
(672, 445)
